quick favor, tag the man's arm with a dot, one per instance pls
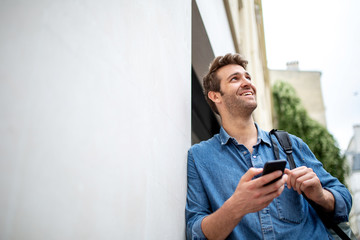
(325, 190)
(249, 196)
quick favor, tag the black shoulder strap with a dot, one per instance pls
(285, 143)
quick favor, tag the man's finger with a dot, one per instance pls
(288, 180)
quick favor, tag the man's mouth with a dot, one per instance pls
(246, 94)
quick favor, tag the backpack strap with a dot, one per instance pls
(285, 143)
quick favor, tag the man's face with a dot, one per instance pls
(237, 91)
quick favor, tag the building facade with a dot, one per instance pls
(307, 85)
(353, 158)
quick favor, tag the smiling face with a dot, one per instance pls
(237, 93)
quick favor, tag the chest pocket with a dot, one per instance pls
(290, 206)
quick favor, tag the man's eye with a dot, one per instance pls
(234, 79)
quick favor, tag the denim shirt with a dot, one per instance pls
(214, 169)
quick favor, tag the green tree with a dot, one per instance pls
(293, 118)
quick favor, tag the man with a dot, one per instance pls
(226, 195)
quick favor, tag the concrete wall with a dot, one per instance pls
(94, 119)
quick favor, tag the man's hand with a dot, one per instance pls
(304, 180)
(251, 195)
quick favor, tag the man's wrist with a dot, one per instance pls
(232, 211)
(328, 201)
(222, 222)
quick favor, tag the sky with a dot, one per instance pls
(323, 35)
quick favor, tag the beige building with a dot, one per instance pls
(246, 21)
(307, 85)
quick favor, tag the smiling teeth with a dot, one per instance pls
(247, 93)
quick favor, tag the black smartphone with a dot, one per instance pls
(272, 166)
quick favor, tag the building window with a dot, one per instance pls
(356, 162)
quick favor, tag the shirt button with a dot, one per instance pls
(254, 156)
(244, 152)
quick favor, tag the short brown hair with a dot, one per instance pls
(211, 82)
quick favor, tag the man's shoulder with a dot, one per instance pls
(206, 145)
(298, 144)
(205, 152)
(210, 143)
(295, 139)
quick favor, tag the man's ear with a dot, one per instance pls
(214, 96)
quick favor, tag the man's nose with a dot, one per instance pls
(245, 83)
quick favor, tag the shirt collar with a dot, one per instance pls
(262, 136)
(224, 136)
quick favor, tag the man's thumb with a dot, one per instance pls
(250, 174)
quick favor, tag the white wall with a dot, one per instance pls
(94, 119)
(216, 23)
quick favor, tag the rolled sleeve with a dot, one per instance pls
(196, 231)
(341, 210)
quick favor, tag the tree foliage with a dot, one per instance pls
(293, 118)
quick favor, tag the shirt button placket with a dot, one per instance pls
(256, 161)
(266, 224)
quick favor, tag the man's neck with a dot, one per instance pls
(243, 130)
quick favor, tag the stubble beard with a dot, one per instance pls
(239, 107)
